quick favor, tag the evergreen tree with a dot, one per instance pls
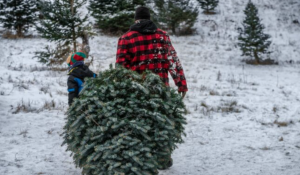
(252, 41)
(18, 15)
(62, 21)
(63, 24)
(176, 16)
(114, 16)
(124, 123)
(208, 5)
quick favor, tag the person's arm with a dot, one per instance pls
(123, 56)
(72, 89)
(91, 74)
(175, 68)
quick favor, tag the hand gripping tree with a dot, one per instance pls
(18, 15)
(252, 41)
(124, 123)
(208, 5)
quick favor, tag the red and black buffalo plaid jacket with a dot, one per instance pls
(145, 46)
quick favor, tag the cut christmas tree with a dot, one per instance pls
(124, 123)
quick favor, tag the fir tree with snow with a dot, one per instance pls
(18, 15)
(124, 123)
(62, 21)
(208, 5)
(176, 16)
(114, 16)
(63, 24)
(253, 41)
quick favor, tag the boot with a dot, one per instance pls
(165, 163)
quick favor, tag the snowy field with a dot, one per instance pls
(242, 119)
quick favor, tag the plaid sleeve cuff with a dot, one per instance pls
(182, 86)
(182, 89)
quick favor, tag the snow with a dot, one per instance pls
(242, 119)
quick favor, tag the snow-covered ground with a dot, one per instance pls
(242, 119)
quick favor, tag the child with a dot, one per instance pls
(77, 72)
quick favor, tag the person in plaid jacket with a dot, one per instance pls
(145, 46)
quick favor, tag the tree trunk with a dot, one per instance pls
(173, 29)
(85, 43)
(19, 31)
(73, 28)
(256, 57)
(207, 10)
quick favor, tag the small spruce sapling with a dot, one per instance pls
(63, 24)
(18, 15)
(253, 41)
(176, 16)
(114, 16)
(208, 5)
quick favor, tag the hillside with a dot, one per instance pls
(242, 119)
